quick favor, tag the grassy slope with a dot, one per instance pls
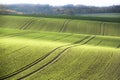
(15, 42)
(96, 59)
(20, 52)
(61, 25)
(83, 63)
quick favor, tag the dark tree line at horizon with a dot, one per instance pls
(57, 10)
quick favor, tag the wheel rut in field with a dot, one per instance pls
(99, 43)
(118, 46)
(27, 24)
(55, 58)
(16, 34)
(81, 40)
(24, 23)
(64, 25)
(18, 49)
(102, 28)
(34, 62)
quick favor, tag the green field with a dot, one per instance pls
(39, 48)
(102, 14)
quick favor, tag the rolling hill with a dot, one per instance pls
(39, 48)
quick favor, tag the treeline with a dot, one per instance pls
(60, 10)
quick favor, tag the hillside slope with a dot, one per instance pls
(61, 25)
(58, 49)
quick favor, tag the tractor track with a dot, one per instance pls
(89, 39)
(20, 27)
(26, 20)
(64, 38)
(99, 43)
(28, 23)
(18, 49)
(54, 59)
(64, 25)
(81, 40)
(102, 28)
(39, 60)
(118, 46)
(16, 34)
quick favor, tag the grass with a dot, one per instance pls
(68, 38)
(87, 63)
(62, 25)
(58, 49)
(102, 14)
(29, 50)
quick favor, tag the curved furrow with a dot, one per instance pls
(26, 24)
(92, 37)
(99, 43)
(64, 36)
(54, 59)
(18, 49)
(20, 27)
(29, 24)
(16, 34)
(64, 24)
(81, 40)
